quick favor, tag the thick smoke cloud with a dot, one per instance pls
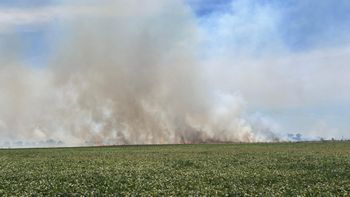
(124, 72)
(289, 60)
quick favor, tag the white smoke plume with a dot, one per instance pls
(123, 72)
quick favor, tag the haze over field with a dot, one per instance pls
(155, 71)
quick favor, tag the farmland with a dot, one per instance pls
(319, 168)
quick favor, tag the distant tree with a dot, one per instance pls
(275, 139)
(60, 143)
(298, 137)
(50, 142)
(19, 143)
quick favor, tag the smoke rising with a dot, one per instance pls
(124, 72)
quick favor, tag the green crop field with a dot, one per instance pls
(281, 169)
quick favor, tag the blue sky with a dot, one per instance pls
(299, 44)
(302, 25)
(25, 4)
(284, 29)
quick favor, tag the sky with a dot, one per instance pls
(289, 60)
(293, 54)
